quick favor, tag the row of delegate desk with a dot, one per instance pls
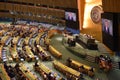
(27, 48)
(26, 42)
(1, 47)
(42, 53)
(13, 49)
(55, 52)
(49, 47)
(3, 73)
(81, 67)
(29, 53)
(16, 40)
(14, 53)
(69, 72)
(6, 38)
(41, 68)
(26, 72)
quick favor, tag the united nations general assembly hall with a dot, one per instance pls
(59, 40)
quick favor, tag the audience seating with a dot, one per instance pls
(4, 39)
(20, 42)
(54, 52)
(69, 72)
(26, 40)
(15, 40)
(29, 53)
(38, 38)
(14, 53)
(3, 73)
(27, 73)
(2, 32)
(41, 68)
(1, 47)
(42, 53)
(81, 67)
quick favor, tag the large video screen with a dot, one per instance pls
(70, 16)
(107, 26)
(72, 20)
(110, 30)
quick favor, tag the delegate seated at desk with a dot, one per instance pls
(71, 42)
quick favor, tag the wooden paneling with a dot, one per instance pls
(38, 10)
(9, 6)
(2, 6)
(33, 9)
(2, 14)
(81, 6)
(24, 8)
(111, 6)
(16, 7)
(60, 3)
(50, 15)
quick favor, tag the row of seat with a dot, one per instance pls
(42, 53)
(81, 67)
(55, 52)
(4, 56)
(3, 73)
(26, 72)
(50, 48)
(14, 53)
(43, 70)
(27, 49)
(29, 53)
(1, 47)
(69, 72)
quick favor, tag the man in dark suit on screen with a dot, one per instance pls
(107, 27)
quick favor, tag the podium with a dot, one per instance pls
(88, 41)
